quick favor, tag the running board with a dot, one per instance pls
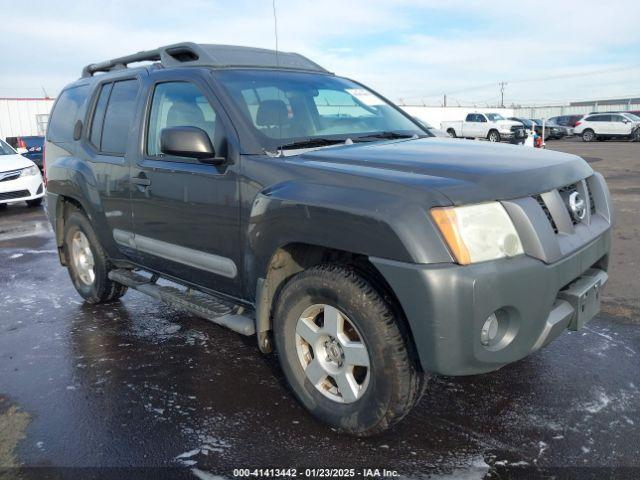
(200, 304)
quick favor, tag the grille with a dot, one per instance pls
(592, 204)
(518, 131)
(6, 176)
(12, 195)
(545, 209)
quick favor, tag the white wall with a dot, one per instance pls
(435, 115)
(24, 116)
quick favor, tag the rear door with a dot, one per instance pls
(186, 213)
(107, 139)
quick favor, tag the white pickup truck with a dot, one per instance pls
(491, 126)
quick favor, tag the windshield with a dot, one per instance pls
(286, 108)
(631, 116)
(5, 149)
(494, 117)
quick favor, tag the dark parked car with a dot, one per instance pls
(566, 120)
(29, 146)
(306, 209)
(552, 131)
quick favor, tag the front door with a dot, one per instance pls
(186, 213)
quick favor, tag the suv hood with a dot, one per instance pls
(464, 171)
(14, 162)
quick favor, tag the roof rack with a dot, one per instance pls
(203, 55)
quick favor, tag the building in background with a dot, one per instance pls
(24, 116)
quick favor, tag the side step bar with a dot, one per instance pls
(200, 304)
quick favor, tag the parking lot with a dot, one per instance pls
(137, 384)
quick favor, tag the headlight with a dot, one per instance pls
(29, 171)
(476, 233)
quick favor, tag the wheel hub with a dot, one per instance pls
(334, 352)
(82, 258)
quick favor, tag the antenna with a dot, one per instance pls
(275, 32)
(275, 28)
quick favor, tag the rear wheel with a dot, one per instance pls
(494, 136)
(87, 262)
(342, 350)
(588, 135)
(452, 133)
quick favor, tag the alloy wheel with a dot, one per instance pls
(332, 353)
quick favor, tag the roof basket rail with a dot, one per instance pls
(170, 55)
(193, 54)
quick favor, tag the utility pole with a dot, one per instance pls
(502, 85)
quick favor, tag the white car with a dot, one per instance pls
(601, 126)
(492, 126)
(20, 179)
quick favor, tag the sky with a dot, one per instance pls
(412, 51)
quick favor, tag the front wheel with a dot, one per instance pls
(494, 136)
(87, 262)
(35, 203)
(342, 351)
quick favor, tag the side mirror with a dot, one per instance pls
(190, 142)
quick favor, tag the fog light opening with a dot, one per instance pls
(489, 331)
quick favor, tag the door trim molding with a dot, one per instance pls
(209, 262)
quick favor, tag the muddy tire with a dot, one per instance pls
(87, 262)
(343, 351)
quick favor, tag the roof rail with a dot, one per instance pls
(203, 55)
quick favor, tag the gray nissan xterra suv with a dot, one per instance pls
(282, 201)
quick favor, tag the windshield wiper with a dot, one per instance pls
(387, 135)
(311, 143)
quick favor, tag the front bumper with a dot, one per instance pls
(446, 305)
(21, 189)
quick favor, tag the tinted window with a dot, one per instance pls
(179, 104)
(471, 117)
(117, 119)
(98, 114)
(65, 114)
(617, 118)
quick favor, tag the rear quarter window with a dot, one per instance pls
(65, 114)
(118, 116)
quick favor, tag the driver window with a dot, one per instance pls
(179, 104)
(481, 118)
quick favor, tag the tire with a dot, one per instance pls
(588, 135)
(35, 203)
(82, 248)
(493, 136)
(452, 133)
(385, 391)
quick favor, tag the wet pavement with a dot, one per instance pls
(137, 384)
